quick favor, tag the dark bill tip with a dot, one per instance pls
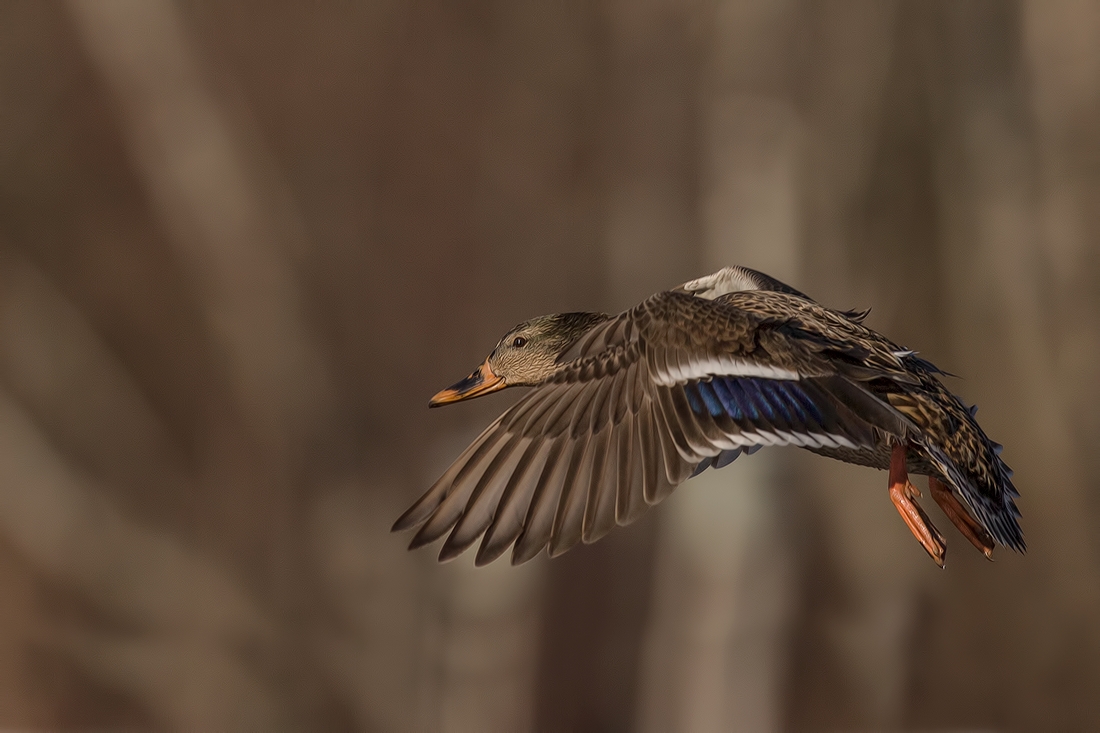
(482, 381)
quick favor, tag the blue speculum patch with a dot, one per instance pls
(741, 398)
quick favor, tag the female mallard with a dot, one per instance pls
(627, 407)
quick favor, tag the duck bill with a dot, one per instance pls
(482, 381)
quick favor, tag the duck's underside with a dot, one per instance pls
(879, 458)
(901, 461)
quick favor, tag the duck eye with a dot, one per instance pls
(519, 342)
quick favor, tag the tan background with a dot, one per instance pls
(242, 244)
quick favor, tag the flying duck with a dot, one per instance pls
(625, 408)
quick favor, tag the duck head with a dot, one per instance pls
(527, 355)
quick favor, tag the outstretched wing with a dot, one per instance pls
(642, 402)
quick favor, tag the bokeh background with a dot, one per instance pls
(241, 244)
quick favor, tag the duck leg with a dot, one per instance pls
(902, 493)
(961, 518)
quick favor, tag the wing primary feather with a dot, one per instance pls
(630, 492)
(653, 487)
(480, 507)
(544, 503)
(599, 513)
(566, 528)
(450, 509)
(514, 502)
(434, 496)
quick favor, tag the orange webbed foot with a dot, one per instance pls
(961, 518)
(902, 494)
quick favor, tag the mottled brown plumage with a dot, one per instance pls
(627, 407)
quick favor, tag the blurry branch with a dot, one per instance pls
(992, 143)
(651, 233)
(723, 601)
(865, 612)
(489, 643)
(725, 589)
(373, 586)
(413, 645)
(480, 638)
(226, 226)
(843, 104)
(58, 367)
(193, 684)
(751, 140)
(1062, 47)
(63, 523)
(53, 513)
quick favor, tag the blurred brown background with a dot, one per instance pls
(242, 244)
